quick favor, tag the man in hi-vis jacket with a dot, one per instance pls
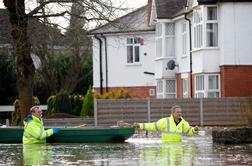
(34, 131)
(172, 127)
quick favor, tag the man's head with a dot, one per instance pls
(36, 111)
(176, 112)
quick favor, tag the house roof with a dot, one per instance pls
(166, 9)
(132, 22)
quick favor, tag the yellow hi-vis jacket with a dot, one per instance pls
(34, 131)
(170, 131)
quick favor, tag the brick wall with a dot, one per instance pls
(179, 86)
(140, 92)
(236, 81)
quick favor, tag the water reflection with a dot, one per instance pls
(137, 151)
(172, 154)
(37, 154)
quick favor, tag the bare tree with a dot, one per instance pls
(19, 16)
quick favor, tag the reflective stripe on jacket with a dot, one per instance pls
(170, 131)
(34, 131)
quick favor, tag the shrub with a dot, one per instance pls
(88, 104)
(16, 114)
(76, 102)
(62, 103)
(50, 106)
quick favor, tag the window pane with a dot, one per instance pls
(213, 94)
(185, 88)
(212, 34)
(211, 13)
(169, 29)
(170, 86)
(213, 82)
(170, 48)
(199, 82)
(158, 29)
(160, 86)
(137, 58)
(170, 96)
(199, 95)
(159, 47)
(136, 40)
(129, 40)
(130, 54)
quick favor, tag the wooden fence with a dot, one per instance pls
(203, 112)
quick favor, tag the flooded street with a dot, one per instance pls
(135, 151)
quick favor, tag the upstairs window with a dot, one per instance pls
(211, 27)
(197, 28)
(205, 27)
(133, 50)
(170, 40)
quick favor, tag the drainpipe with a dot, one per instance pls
(190, 44)
(106, 60)
(100, 59)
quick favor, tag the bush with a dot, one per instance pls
(88, 104)
(62, 103)
(76, 102)
(50, 106)
(16, 114)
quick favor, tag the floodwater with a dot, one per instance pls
(197, 150)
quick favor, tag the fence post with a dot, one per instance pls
(148, 110)
(95, 113)
(201, 112)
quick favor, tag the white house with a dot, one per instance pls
(199, 48)
(124, 54)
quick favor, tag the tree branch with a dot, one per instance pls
(34, 11)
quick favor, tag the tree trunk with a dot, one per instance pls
(25, 67)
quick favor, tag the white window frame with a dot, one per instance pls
(205, 90)
(162, 92)
(198, 28)
(169, 49)
(213, 90)
(211, 22)
(199, 89)
(160, 88)
(159, 40)
(134, 44)
(168, 93)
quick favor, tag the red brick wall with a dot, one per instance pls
(179, 86)
(236, 81)
(140, 92)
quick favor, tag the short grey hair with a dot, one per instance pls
(173, 108)
(34, 107)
